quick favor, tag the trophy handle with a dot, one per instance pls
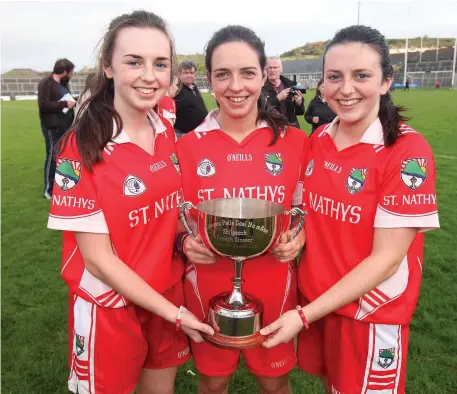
(294, 212)
(184, 207)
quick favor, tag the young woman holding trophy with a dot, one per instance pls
(126, 324)
(370, 195)
(242, 151)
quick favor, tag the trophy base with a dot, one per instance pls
(240, 343)
(235, 327)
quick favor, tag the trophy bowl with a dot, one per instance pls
(240, 229)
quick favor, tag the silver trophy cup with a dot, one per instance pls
(240, 229)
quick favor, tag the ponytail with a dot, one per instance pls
(93, 126)
(390, 117)
(275, 120)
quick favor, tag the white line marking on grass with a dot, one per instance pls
(446, 157)
(21, 108)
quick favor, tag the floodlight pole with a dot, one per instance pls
(406, 61)
(358, 12)
(453, 65)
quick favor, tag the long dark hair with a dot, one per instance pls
(94, 124)
(236, 33)
(389, 114)
(319, 84)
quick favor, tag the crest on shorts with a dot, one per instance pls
(386, 357)
(175, 162)
(356, 180)
(133, 186)
(273, 163)
(79, 344)
(309, 168)
(68, 174)
(414, 172)
(206, 168)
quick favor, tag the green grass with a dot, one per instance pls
(34, 358)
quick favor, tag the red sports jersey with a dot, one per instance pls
(348, 194)
(167, 108)
(133, 197)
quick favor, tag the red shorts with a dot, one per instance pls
(356, 357)
(110, 347)
(274, 283)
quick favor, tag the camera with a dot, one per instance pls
(294, 90)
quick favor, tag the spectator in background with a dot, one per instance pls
(84, 95)
(190, 107)
(167, 106)
(318, 112)
(277, 91)
(55, 117)
(406, 85)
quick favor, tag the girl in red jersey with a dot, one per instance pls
(242, 150)
(167, 106)
(370, 194)
(125, 293)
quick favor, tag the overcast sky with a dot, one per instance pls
(34, 34)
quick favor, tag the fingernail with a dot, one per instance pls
(262, 331)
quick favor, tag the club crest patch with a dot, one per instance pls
(386, 357)
(175, 162)
(206, 168)
(133, 186)
(273, 163)
(356, 180)
(68, 174)
(79, 341)
(309, 168)
(414, 172)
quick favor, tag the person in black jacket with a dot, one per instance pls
(190, 107)
(318, 112)
(277, 91)
(56, 115)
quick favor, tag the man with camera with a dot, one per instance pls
(281, 92)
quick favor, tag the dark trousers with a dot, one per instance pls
(51, 137)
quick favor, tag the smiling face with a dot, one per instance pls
(140, 68)
(236, 78)
(353, 82)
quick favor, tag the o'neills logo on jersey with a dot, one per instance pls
(273, 163)
(157, 166)
(206, 168)
(414, 172)
(68, 174)
(356, 180)
(239, 157)
(335, 209)
(133, 186)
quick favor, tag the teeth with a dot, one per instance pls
(237, 99)
(144, 90)
(348, 103)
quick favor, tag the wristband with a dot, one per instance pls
(178, 318)
(302, 317)
(179, 242)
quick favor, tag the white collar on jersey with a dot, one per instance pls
(155, 121)
(373, 135)
(210, 123)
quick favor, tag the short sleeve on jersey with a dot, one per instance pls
(407, 195)
(75, 204)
